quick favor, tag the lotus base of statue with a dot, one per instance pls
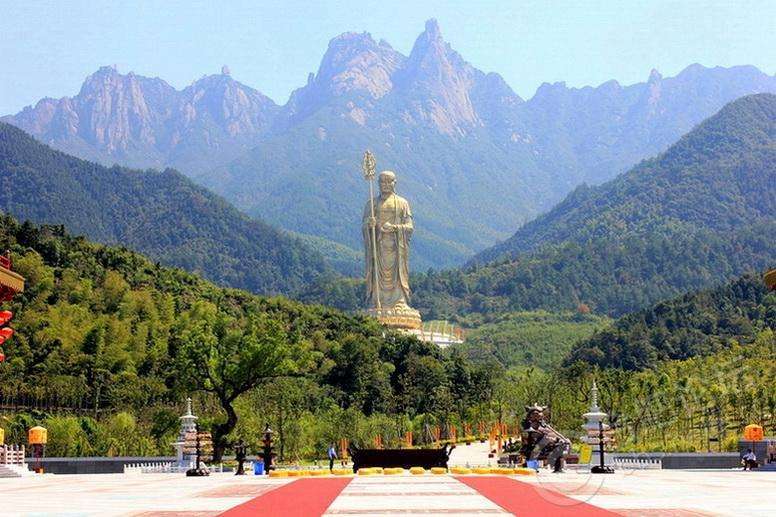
(399, 317)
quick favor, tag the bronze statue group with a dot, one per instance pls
(540, 441)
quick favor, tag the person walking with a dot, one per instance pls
(332, 456)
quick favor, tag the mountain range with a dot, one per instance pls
(475, 160)
(144, 122)
(160, 213)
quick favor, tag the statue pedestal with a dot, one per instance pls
(404, 317)
(407, 320)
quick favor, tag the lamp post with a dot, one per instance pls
(601, 468)
(239, 454)
(200, 444)
(267, 453)
(37, 437)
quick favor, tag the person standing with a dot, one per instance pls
(332, 456)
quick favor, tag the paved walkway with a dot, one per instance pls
(647, 492)
(408, 495)
(470, 455)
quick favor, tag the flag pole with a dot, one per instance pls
(368, 167)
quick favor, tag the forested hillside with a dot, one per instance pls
(698, 323)
(674, 405)
(162, 214)
(700, 213)
(102, 329)
(108, 343)
(529, 339)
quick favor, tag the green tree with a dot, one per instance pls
(227, 357)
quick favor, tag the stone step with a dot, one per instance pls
(7, 472)
(14, 471)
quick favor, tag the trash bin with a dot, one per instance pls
(258, 468)
(532, 464)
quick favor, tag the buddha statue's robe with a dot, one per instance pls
(393, 249)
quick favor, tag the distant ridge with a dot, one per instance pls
(162, 214)
(144, 122)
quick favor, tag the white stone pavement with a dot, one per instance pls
(428, 495)
(474, 455)
(646, 492)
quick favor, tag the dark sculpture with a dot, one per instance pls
(266, 454)
(601, 468)
(404, 458)
(239, 455)
(541, 441)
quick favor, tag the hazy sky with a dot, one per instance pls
(47, 48)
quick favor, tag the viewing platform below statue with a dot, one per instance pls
(441, 333)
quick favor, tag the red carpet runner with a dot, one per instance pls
(527, 500)
(300, 498)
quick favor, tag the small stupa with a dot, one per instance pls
(188, 425)
(594, 420)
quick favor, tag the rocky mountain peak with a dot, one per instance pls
(354, 66)
(430, 49)
(237, 108)
(432, 35)
(550, 92)
(441, 81)
(691, 70)
(117, 111)
(653, 92)
(432, 28)
(654, 76)
(355, 62)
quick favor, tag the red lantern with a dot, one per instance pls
(5, 334)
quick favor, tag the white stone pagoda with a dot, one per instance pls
(593, 418)
(188, 425)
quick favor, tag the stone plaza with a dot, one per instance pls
(636, 492)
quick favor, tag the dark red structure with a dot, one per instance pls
(770, 279)
(11, 283)
(404, 458)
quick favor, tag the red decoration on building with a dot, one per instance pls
(11, 283)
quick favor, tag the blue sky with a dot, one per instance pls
(48, 47)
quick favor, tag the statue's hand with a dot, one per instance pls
(388, 227)
(372, 222)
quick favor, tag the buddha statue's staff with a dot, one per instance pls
(368, 167)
